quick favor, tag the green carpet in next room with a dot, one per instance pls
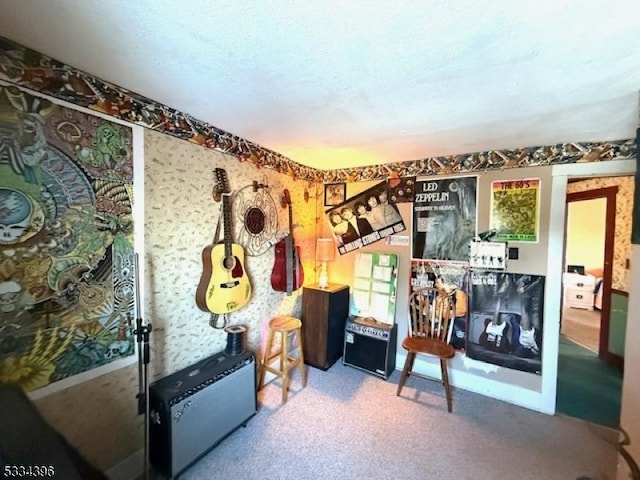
(588, 388)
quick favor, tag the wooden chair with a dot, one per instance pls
(431, 314)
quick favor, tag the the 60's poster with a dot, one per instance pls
(515, 207)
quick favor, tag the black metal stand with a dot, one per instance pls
(142, 332)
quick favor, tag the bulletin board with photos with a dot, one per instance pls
(375, 281)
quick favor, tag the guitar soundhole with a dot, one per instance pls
(254, 220)
(228, 262)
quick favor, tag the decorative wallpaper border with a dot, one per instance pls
(562, 153)
(30, 69)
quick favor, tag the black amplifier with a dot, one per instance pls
(193, 410)
(370, 346)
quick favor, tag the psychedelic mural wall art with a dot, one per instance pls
(66, 241)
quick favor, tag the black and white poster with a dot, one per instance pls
(505, 319)
(364, 219)
(444, 218)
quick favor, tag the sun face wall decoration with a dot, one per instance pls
(255, 218)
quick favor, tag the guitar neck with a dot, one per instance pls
(223, 188)
(226, 225)
(291, 222)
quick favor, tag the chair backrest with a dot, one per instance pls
(431, 314)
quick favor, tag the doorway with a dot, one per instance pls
(589, 374)
(583, 277)
(595, 242)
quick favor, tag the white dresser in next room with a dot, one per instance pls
(578, 290)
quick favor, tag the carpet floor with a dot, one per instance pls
(588, 388)
(349, 424)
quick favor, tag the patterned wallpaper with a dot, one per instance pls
(180, 220)
(624, 210)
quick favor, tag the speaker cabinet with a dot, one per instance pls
(324, 313)
(370, 347)
(193, 410)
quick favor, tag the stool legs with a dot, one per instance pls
(265, 358)
(303, 370)
(285, 361)
(284, 366)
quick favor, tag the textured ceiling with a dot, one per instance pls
(335, 84)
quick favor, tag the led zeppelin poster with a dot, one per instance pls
(444, 218)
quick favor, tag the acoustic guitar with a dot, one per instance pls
(224, 285)
(287, 274)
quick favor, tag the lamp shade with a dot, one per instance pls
(325, 250)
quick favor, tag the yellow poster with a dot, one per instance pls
(515, 209)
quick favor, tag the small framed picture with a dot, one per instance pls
(334, 194)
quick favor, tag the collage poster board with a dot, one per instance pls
(444, 218)
(515, 210)
(506, 319)
(375, 280)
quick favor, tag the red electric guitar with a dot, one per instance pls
(287, 274)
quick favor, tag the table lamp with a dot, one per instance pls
(325, 252)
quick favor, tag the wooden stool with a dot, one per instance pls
(284, 326)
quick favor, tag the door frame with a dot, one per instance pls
(609, 194)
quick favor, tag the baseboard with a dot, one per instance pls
(130, 468)
(513, 394)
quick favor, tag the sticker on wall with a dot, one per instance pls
(398, 240)
(515, 209)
